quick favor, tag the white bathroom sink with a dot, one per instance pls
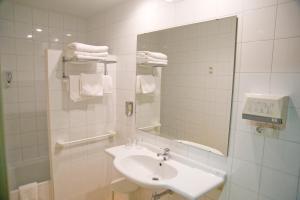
(145, 169)
(183, 176)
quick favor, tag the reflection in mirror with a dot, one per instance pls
(184, 83)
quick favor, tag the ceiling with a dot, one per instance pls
(81, 8)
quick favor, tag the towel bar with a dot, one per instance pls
(76, 61)
(147, 128)
(65, 144)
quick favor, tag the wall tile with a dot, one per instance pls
(246, 174)
(254, 4)
(23, 29)
(288, 15)
(277, 185)
(7, 10)
(257, 56)
(259, 24)
(8, 45)
(40, 18)
(237, 192)
(56, 20)
(25, 63)
(290, 133)
(285, 57)
(286, 84)
(24, 47)
(6, 28)
(70, 23)
(228, 7)
(8, 62)
(282, 155)
(249, 147)
(23, 14)
(253, 83)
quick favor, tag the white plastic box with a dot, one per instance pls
(266, 108)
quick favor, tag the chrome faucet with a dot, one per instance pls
(165, 154)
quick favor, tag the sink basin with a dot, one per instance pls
(185, 177)
(148, 168)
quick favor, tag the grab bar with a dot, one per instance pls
(65, 144)
(147, 128)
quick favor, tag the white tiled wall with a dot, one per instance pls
(80, 172)
(258, 167)
(25, 101)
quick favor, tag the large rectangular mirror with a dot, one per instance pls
(184, 83)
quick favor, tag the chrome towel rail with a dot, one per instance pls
(65, 144)
(104, 61)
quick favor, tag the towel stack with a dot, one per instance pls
(81, 51)
(87, 86)
(149, 57)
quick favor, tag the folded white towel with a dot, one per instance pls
(155, 55)
(86, 57)
(145, 84)
(142, 60)
(74, 88)
(29, 191)
(107, 84)
(87, 48)
(71, 53)
(91, 85)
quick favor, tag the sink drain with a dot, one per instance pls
(155, 179)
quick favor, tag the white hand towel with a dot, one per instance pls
(138, 87)
(87, 48)
(74, 90)
(145, 84)
(85, 57)
(29, 191)
(107, 84)
(91, 85)
(142, 60)
(71, 53)
(155, 55)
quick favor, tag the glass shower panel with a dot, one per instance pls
(24, 95)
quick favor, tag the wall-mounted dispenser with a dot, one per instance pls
(268, 109)
(128, 108)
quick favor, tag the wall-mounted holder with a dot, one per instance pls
(8, 78)
(128, 108)
(268, 111)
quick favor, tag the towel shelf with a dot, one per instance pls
(65, 144)
(148, 128)
(80, 61)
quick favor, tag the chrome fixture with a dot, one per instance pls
(157, 196)
(9, 78)
(165, 154)
(128, 108)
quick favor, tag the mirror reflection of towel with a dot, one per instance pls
(145, 84)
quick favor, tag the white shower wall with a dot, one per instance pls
(258, 167)
(25, 102)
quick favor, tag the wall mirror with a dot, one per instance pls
(184, 83)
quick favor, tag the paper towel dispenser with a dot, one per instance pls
(266, 108)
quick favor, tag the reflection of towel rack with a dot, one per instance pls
(64, 144)
(77, 61)
(148, 128)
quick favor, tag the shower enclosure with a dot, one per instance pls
(26, 31)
